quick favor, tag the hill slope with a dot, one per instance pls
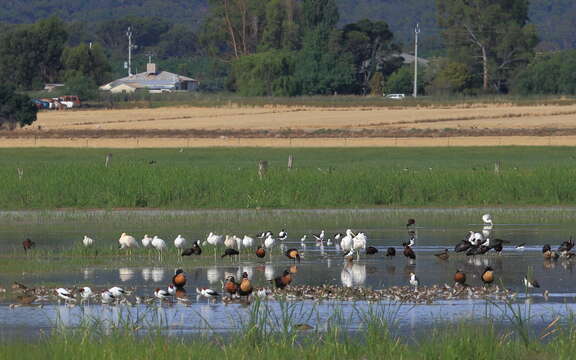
(554, 18)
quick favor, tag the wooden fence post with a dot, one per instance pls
(108, 160)
(262, 168)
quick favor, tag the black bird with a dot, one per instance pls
(391, 251)
(411, 222)
(194, 250)
(28, 244)
(409, 253)
(546, 248)
(371, 250)
(462, 246)
(230, 252)
(498, 248)
(566, 246)
(483, 249)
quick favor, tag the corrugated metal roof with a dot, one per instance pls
(163, 79)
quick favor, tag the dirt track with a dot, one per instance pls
(481, 125)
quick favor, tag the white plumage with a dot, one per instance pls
(86, 292)
(180, 242)
(127, 241)
(158, 243)
(247, 241)
(214, 239)
(107, 297)
(65, 294)
(269, 242)
(87, 241)
(359, 241)
(487, 219)
(347, 241)
(162, 294)
(414, 280)
(230, 242)
(146, 241)
(117, 291)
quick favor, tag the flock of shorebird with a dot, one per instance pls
(349, 243)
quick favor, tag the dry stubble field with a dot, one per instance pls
(282, 126)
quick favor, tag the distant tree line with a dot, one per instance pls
(290, 48)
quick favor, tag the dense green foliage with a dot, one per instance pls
(329, 178)
(15, 109)
(277, 47)
(492, 38)
(549, 74)
(553, 18)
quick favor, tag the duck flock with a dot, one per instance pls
(349, 244)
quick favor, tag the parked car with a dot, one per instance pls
(41, 104)
(70, 101)
(395, 96)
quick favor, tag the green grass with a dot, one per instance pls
(323, 178)
(256, 340)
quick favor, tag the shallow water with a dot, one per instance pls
(437, 229)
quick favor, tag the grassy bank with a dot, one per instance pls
(326, 178)
(373, 341)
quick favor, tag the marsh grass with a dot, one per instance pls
(380, 178)
(275, 334)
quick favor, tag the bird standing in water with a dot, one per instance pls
(488, 276)
(414, 281)
(284, 280)
(179, 279)
(260, 252)
(245, 288)
(293, 254)
(460, 278)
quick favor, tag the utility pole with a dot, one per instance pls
(416, 32)
(129, 34)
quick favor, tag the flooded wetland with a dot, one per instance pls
(326, 287)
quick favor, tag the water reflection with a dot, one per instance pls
(88, 273)
(126, 274)
(158, 274)
(212, 275)
(146, 274)
(353, 275)
(269, 272)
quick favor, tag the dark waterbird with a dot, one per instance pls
(260, 252)
(194, 250)
(462, 246)
(179, 279)
(284, 280)
(460, 277)
(409, 253)
(293, 254)
(371, 250)
(391, 251)
(245, 288)
(28, 244)
(566, 246)
(231, 286)
(230, 252)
